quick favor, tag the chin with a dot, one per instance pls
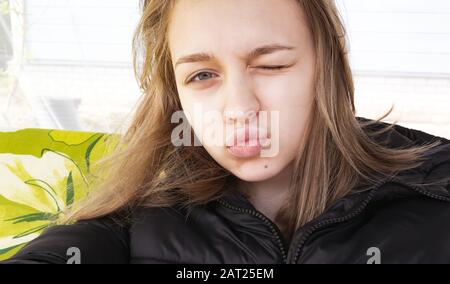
(255, 171)
(250, 170)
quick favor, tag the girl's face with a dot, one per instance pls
(222, 52)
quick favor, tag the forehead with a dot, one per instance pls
(234, 25)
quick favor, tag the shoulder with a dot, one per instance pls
(98, 240)
(159, 222)
(399, 135)
(174, 235)
(408, 227)
(410, 222)
(423, 192)
(436, 162)
(408, 218)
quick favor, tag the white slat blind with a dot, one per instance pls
(406, 37)
(77, 31)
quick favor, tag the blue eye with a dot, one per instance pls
(198, 76)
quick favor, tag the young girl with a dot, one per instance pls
(316, 185)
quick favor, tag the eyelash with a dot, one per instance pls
(273, 67)
(262, 67)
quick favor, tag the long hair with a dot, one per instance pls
(146, 169)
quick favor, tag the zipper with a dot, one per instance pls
(274, 229)
(337, 220)
(311, 230)
(330, 221)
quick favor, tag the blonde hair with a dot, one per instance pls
(146, 169)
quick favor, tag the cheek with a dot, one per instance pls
(292, 128)
(292, 98)
(207, 125)
(292, 90)
(293, 119)
(187, 103)
(195, 111)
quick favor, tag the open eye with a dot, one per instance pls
(200, 75)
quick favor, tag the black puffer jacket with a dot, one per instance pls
(389, 222)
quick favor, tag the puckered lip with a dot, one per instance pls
(244, 135)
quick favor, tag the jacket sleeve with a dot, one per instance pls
(100, 240)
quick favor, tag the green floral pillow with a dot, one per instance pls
(41, 172)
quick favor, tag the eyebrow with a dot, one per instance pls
(262, 50)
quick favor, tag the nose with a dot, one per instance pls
(241, 104)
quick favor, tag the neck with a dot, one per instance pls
(269, 195)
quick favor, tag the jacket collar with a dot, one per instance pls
(435, 166)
